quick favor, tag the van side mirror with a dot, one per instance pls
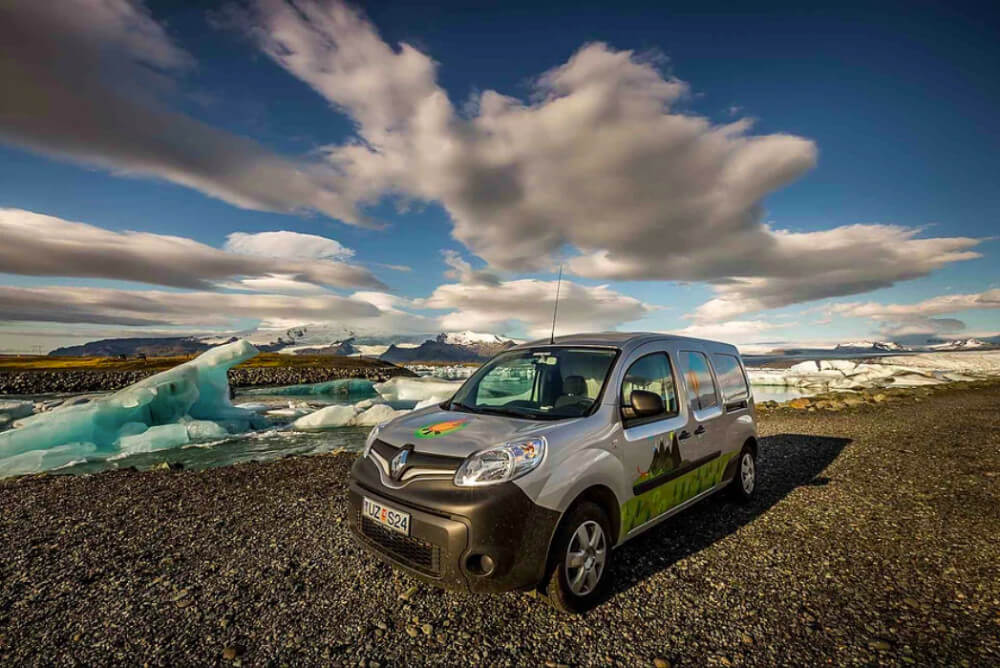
(646, 404)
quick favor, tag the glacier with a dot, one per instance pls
(187, 403)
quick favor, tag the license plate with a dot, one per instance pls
(390, 518)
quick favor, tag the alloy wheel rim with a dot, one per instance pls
(586, 556)
(747, 473)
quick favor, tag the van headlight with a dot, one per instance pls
(501, 463)
(372, 435)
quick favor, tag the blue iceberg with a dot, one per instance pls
(187, 403)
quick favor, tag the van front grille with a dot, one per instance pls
(413, 552)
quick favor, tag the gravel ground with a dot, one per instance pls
(873, 541)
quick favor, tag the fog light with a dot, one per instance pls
(480, 564)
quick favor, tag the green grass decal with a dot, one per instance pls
(640, 509)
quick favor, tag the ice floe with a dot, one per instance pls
(166, 410)
(895, 371)
(416, 389)
(332, 417)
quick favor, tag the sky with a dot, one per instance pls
(786, 174)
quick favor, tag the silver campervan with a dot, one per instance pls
(550, 456)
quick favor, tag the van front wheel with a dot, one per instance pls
(580, 559)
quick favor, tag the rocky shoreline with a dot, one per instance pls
(50, 381)
(872, 542)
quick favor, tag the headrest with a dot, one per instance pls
(574, 385)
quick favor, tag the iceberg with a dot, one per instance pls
(165, 410)
(417, 389)
(333, 417)
(13, 410)
(348, 388)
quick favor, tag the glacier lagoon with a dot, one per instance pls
(186, 416)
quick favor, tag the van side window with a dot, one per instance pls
(731, 380)
(701, 387)
(651, 373)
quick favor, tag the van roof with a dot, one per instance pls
(625, 341)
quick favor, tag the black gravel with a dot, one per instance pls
(44, 381)
(874, 541)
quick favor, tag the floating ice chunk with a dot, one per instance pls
(13, 410)
(325, 418)
(416, 389)
(46, 460)
(345, 388)
(293, 410)
(375, 415)
(155, 438)
(198, 389)
(255, 406)
(205, 430)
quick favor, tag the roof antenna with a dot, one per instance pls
(555, 309)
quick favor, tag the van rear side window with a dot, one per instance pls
(701, 388)
(731, 378)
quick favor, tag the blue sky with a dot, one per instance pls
(891, 114)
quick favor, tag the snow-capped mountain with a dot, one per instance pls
(868, 346)
(450, 347)
(959, 344)
(469, 338)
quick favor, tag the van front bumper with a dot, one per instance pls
(451, 530)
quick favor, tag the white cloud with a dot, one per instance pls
(733, 331)
(35, 244)
(598, 162)
(196, 309)
(920, 317)
(87, 80)
(528, 303)
(287, 244)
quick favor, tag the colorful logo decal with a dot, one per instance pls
(440, 428)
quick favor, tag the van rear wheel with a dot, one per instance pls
(744, 483)
(580, 559)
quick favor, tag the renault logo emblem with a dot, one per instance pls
(399, 463)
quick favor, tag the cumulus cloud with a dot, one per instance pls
(845, 260)
(105, 306)
(287, 244)
(920, 317)
(528, 303)
(35, 244)
(85, 80)
(597, 162)
(733, 331)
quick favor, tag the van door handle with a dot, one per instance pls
(700, 430)
(684, 434)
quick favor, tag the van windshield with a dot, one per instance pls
(537, 383)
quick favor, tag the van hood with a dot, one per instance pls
(459, 434)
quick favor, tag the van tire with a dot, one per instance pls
(738, 491)
(556, 586)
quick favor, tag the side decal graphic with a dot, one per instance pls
(670, 489)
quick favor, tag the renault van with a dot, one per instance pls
(550, 456)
